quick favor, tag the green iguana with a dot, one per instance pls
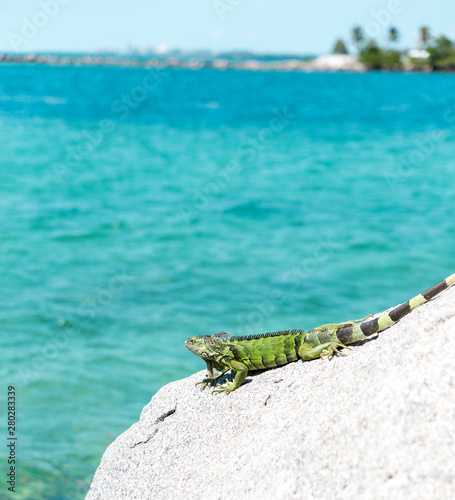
(223, 351)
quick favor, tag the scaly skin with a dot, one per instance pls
(223, 352)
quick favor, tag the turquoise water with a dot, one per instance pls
(141, 208)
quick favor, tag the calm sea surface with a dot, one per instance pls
(139, 208)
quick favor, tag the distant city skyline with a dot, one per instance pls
(260, 26)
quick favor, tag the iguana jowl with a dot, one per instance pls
(223, 351)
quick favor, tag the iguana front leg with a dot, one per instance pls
(214, 371)
(241, 372)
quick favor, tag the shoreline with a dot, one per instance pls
(327, 63)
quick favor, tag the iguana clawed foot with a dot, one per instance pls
(328, 349)
(333, 350)
(204, 383)
(229, 387)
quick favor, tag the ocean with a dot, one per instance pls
(141, 207)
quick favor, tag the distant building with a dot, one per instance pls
(417, 54)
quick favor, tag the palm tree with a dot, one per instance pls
(425, 36)
(340, 47)
(394, 36)
(358, 37)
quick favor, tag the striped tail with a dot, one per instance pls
(354, 333)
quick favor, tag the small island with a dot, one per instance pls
(432, 54)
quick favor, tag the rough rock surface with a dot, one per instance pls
(377, 424)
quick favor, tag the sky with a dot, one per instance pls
(262, 26)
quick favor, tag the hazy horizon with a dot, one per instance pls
(172, 51)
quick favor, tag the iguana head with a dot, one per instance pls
(208, 348)
(202, 347)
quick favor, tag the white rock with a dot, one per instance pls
(377, 424)
(336, 62)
